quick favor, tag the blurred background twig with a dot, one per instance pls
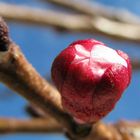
(95, 9)
(73, 22)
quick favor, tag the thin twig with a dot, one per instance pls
(122, 130)
(129, 130)
(75, 23)
(96, 9)
(29, 126)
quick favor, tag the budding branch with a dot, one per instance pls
(19, 75)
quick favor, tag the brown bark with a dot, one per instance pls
(122, 130)
(29, 126)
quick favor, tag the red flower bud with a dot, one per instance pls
(91, 78)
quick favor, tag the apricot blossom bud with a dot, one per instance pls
(91, 78)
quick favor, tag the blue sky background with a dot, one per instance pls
(40, 45)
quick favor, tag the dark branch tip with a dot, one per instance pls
(4, 37)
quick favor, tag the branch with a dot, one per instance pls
(122, 130)
(20, 76)
(29, 126)
(96, 9)
(75, 23)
